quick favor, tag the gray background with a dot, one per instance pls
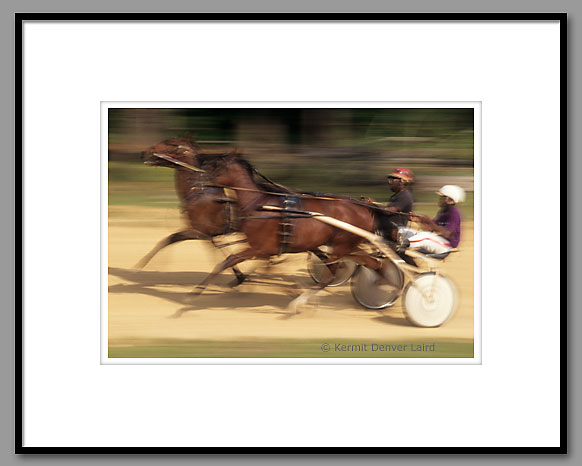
(7, 195)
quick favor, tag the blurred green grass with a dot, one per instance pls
(282, 348)
(132, 183)
(134, 172)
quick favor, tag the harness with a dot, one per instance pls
(229, 199)
(287, 224)
(229, 211)
(290, 201)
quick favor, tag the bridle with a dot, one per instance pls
(167, 158)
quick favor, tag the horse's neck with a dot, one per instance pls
(185, 179)
(249, 193)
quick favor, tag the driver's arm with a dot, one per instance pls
(430, 225)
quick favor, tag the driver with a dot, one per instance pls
(399, 203)
(444, 231)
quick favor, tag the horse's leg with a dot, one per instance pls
(230, 261)
(184, 235)
(367, 261)
(332, 261)
(304, 297)
(320, 254)
(240, 277)
(171, 239)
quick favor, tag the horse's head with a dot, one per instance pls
(227, 169)
(182, 149)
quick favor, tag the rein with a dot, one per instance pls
(310, 196)
(307, 196)
(304, 196)
(177, 162)
(268, 180)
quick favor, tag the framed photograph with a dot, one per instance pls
(235, 227)
(333, 161)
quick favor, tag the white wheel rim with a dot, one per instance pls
(430, 312)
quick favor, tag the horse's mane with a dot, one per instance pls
(275, 188)
(272, 186)
(235, 156)
(209, 159)
(267, 184)
(182, 141)
(238, 158)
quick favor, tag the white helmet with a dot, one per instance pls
(456, 193)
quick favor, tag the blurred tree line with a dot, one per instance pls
(337, 150)
(291, 128)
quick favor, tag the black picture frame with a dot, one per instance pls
(20, 18)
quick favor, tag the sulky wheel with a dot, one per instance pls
(429, 300)
(378, 290)
(319, 271)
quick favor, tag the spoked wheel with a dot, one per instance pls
(319, 271)
(430, 300)
(378, 290)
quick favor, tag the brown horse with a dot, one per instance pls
(210, 211)
(263, 231)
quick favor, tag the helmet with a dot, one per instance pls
(456, 193)
(403, 173)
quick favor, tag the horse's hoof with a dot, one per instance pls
(233, 284)
(191, 297)
(176, 315)
(293, 307)
(240, 277)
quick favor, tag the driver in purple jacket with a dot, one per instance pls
(443, 232)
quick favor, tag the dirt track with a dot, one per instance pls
(141, 302)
